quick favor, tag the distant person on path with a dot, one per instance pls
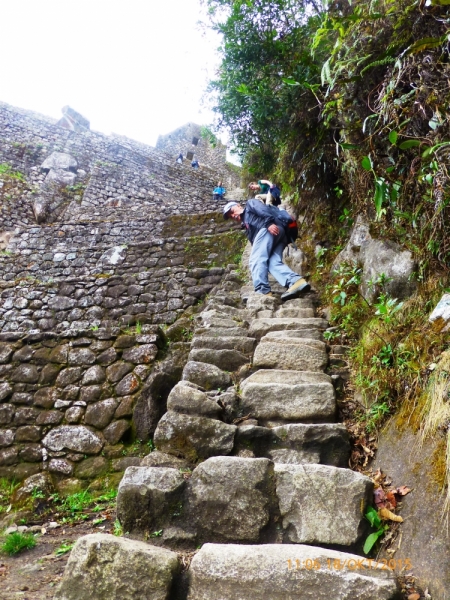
(263, 190)
(219, 191)
(180, 159)
(267, 234)
(195, 164)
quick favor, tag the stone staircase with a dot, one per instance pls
(251, 464)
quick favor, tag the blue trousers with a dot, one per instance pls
(267, 257)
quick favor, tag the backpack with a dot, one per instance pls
(276, 195)
(288, 223)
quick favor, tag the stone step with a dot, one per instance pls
(233, 499)
(207, 376)
(321, 443)
(242, 344)
(297, 313)
(221, 331)
(276, 397)
(298, 354)
(313, 334)
(302, 302)
(286, 572)
(259, 327)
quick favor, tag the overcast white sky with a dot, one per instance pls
(133, 67)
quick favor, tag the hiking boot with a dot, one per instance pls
(297, 288)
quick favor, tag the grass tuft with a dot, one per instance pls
(17, 542)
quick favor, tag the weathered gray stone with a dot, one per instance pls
(8, 456)
(61, 303)
(6, 437)
(31, 453)
(229, 498)
(28, 433)
(73, 437)
(100, 414)
(260, 327)
(25, 373)
(49, 374)
(161, 459)
(6, 351)
(49, 417)
(90, 393)
(45, 397)
(206, 376)
(59, 354)
(61, 466)
(68, 376)
(227, 360)
(117, 569)
(40, 481)
(5, 390)
(193, 437)
(291, 354)
(256, 302)
(321, 504)
(91, 467)
(275, 397)
(22, 398)
(118, 370)
(147, 496)
(129, 385)
(107, 357)
(81, 356)
(144, 354)
(24, 354)
(296, 313)
(6, 414)
(59, 160)
(94, 374)
(116, 430)
(186, 400)
(286, 572)
(74, 414)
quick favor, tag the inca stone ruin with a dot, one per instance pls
(125, 317)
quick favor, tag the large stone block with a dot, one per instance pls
(148, 496)
(114, 568)
(205, 375)
(73, 437)
(193, 437)
(188, 400)
(276, 397)
(321, 504)
(285, 572)
(239, 343)
(227, 360)
(231, 498)
(291, 354)
(323, 443)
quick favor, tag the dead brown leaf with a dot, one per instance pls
(379, 497)
(402, 490)
(414, 597)
(378, 476)
(386, 514)
(390, 497)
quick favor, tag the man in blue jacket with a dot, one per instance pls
(267, 235)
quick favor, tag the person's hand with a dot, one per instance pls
(273, 229)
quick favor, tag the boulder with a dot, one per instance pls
(189, 401)
(206, 376)
(276, 397)
(291, 354)
(230, 498)
(321, 504)
(286, 572)
(193, 437)
(148, 496)
(440, 316)
(114, 568)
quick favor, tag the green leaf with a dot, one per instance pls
(430, 150)
(425, 43)
(393, 135)
(349, 146)
(371, 540)
(366, 163)
(390, 169)
(289, 81)
(409, 144)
